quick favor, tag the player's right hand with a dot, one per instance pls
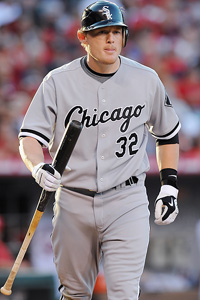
(47, 177)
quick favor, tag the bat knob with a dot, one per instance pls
(5, 291)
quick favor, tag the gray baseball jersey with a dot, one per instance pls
(117, 115)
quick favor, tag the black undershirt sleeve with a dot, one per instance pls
(174, 140)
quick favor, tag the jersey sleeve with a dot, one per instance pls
(40, 117)
(164, 122)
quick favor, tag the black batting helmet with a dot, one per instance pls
(102, 14)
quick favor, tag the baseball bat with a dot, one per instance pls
(59, 162)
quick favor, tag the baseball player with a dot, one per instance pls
(101, 208)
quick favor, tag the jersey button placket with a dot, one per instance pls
(101, 143)
(103, 134)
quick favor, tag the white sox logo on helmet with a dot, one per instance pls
(106, 12)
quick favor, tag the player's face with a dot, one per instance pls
(103, 47)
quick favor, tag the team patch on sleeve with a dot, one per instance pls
(167, 101)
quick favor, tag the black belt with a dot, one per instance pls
(91, 193)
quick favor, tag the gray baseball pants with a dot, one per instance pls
(111, 227)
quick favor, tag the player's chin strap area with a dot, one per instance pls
(130, 181)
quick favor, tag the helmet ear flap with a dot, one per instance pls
(125, 36)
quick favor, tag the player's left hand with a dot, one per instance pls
(166, 208)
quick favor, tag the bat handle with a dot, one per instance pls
(6, 289)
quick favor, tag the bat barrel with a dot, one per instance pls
(67, 145)
(62, 157)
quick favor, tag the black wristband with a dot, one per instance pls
(169, 176)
